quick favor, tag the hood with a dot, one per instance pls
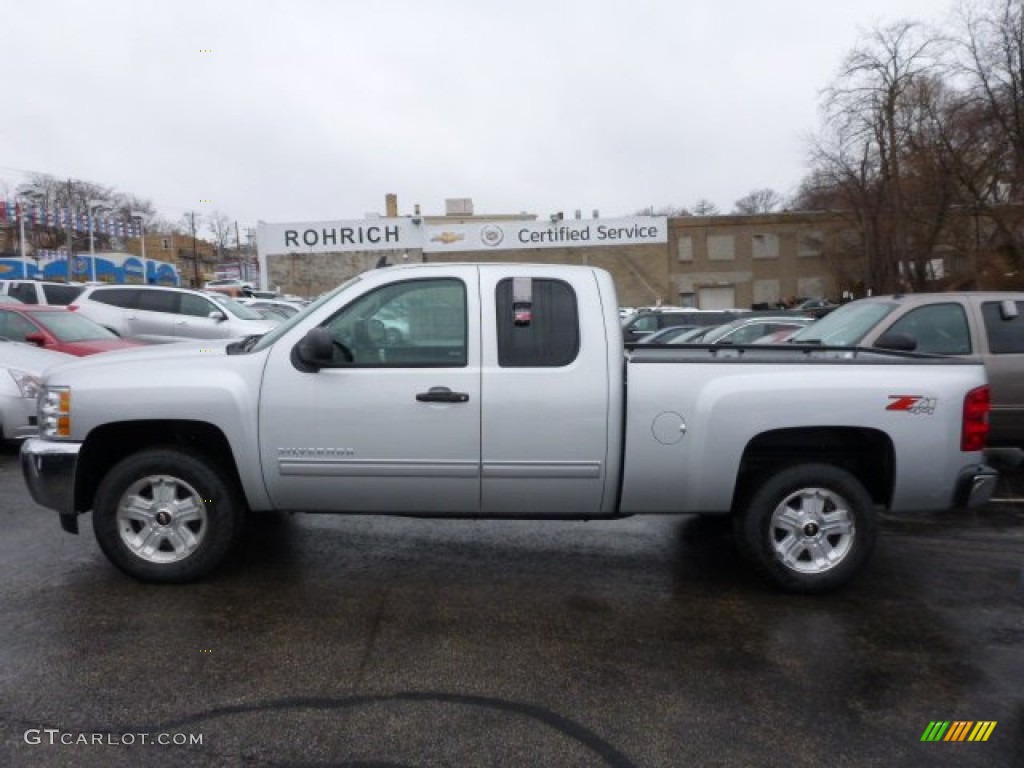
(94, 346)
(183, 351)
(29, 357)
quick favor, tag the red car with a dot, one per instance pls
(58, 328)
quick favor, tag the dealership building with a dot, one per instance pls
(711, 262)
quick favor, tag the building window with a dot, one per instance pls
(810, 288)
(165, 243)
(811, 244)
(765, 246)
(721, 247)
(688, 300)
(684, 248)
(766, 294)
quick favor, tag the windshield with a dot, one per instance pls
(67, 326)
(238, 310)
(846, 326)
(268, 339)
(716, 333)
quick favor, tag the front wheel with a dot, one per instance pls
(809, 527)
(165, 516)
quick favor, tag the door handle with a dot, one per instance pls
(442, 395)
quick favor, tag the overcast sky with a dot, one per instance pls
(315, 109)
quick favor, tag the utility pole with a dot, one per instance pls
(238, 254)
(195, 252)
(71, 216)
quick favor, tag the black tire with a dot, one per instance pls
(808, 527)
(195, 510)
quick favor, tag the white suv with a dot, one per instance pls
(162, 314)
(39, 291)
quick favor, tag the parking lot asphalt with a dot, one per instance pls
(343, 641)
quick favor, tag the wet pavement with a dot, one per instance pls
(389, 642)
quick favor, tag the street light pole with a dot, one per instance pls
(140, 215)
(195, 254)
(94, 205)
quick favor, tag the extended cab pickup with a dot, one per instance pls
(508, 395)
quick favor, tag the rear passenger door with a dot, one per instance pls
(544, 428)
(155, 316)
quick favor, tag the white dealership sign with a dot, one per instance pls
(398, 234)
(391, 234)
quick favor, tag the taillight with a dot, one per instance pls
(974, 431)
(72, 307)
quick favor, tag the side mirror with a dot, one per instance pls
(35, 338)
(315, 351)
(899, 342)
(217, 315)
(1008, 309)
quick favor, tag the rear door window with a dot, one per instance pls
(551, 338)
(126, 298)
(158, 301)
(61, 294)
(1005, 337)
(24, 292)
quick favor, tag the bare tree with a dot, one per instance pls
(664, 210)
(875, 114)
(705, 207)
(991, 166)
(219, 226)
(758, 201)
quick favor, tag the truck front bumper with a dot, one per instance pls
(49, 469)
(975, 486)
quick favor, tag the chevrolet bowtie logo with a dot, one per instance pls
(447, 238)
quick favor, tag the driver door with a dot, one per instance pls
(393, 425)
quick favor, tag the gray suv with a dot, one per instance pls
(163, 314)
(974, 325)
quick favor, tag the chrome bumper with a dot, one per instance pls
(975, 486)
(49, 470)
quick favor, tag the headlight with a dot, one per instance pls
(28, 384)
(55, 412)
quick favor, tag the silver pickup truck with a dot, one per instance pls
(502, 391)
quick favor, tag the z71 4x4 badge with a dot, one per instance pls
(916, 404)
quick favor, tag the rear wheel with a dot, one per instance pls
(808, 527)
(164, 516)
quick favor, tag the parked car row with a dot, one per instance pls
(38, 331)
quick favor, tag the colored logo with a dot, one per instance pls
(915, 404)
(447, 238)
(491, 235)
(958, 730)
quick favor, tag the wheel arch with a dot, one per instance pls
(866, 453)
(108, 444)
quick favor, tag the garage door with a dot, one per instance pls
(719, 297)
